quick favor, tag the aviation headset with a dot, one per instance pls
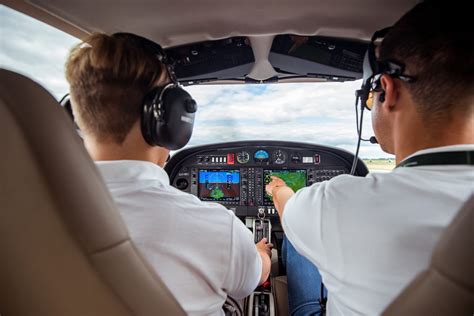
(168, 112)
(373, 69)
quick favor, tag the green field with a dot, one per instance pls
(380, 164)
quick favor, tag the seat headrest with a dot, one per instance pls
(447, 286)
(454, 253)
(65, 249)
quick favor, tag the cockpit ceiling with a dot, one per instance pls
(177, 22)
(268, 59)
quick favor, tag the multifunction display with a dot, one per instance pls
(295, 179)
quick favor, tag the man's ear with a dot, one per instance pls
(390, 92)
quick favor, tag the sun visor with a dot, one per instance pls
(333, 59)
(212, 60)
(261, 59)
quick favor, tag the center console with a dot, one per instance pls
(235, 175)
(260, 303)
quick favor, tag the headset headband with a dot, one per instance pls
(156, 49)
(373, 67)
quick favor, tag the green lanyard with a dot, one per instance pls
(442, 158)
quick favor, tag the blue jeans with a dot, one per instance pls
(304, 282)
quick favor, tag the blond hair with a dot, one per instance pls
(109, 76)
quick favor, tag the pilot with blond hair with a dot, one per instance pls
(201, 251)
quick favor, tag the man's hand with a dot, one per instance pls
(264, 249)
(276, 182)
(280, 193)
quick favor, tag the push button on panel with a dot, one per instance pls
(230, 159)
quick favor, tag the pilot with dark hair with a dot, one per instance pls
(201, 251)
(369, 237)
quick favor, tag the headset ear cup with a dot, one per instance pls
(66, 104)
(175, 129)
(147, 118)
(167, 117)
(382, 96)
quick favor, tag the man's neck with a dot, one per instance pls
(414, 140)
(100, 151)
(113, 151)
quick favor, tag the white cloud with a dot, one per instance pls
(320, 113)
(316, 113)
(34, 49)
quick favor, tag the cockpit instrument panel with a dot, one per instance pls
(235, 174)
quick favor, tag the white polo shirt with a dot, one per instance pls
(201, 251)
(371, 236)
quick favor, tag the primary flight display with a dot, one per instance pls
(219, 185)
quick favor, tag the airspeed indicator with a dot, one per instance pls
(243, 157)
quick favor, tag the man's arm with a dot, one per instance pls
(280, 193)
(264, 249)
(249, 263)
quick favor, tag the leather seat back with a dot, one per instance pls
(447, 287)
(64, 247)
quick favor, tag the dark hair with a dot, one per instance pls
(435, 42)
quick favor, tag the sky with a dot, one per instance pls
(321, 113)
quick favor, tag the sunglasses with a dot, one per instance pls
(375, 86)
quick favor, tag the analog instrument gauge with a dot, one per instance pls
(261, 156)
(279, 157)
(295, 158)
(243, 157)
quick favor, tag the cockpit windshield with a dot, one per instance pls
(313, 112)
(320, 113)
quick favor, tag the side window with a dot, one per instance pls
(34, 49)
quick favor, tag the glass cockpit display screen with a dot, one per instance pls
(219, 185)
(295, 179)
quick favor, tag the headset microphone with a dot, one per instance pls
(372, 70)
(372, 140)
